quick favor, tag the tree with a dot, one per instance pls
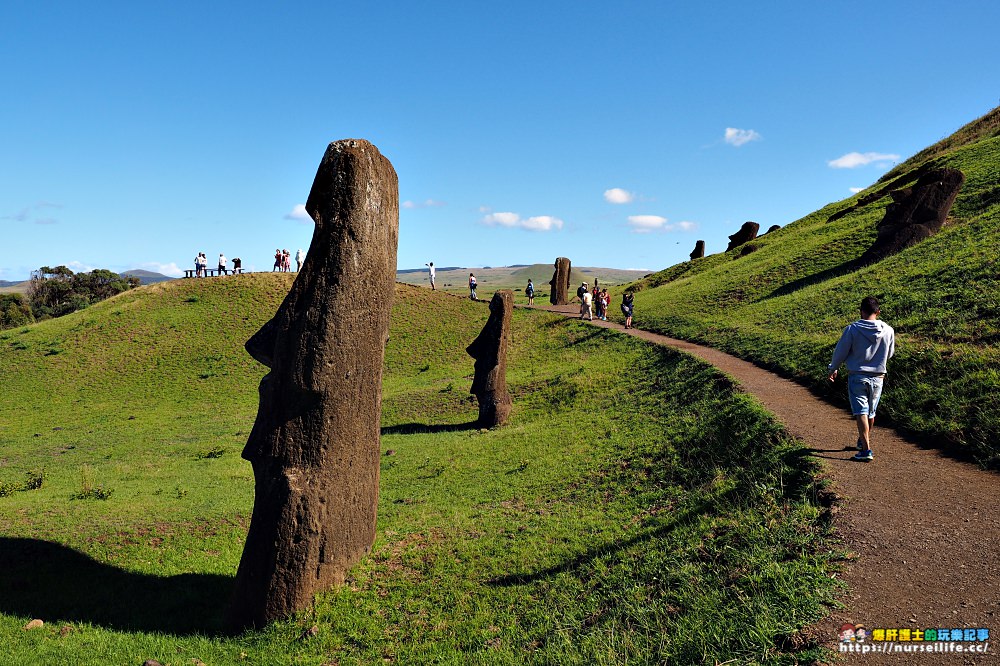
(54, 292)
(14, 311)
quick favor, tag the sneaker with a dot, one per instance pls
(857, 446)
(864, 456)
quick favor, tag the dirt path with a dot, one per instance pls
(925, 528)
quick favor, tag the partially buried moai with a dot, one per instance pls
(490, 351)
(315, 444)
(559, 294)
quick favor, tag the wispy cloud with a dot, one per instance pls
(854, 160)
(427, 203)
(513, 220)
(299, 213)
(617, 195)
(644, 224)
(27, 214)
(738, 137)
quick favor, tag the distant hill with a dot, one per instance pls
(9, 287)
(515, 277)
(147, 277)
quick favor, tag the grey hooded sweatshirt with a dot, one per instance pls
(866, 347)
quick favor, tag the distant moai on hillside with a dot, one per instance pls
(315, 444)
(773, 227)
(559, 294)
(916, 214)
(746, 233)
(490, 351)
(699, 250)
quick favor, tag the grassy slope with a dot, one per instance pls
(785, 304)
(636, 509)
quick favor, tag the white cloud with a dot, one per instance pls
(485, 209)
(513, 220)
(79, 267)
(171, 269)
(643, 224)
(738, 137)
(617, 195)
(646, 223)
(854, 160)
(428, 203)
(299, 213)
(855, 190)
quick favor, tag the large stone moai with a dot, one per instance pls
(490, 351)
(699, 250)
(315, 444)
(746, 234)
(559, 294)
(917, 213)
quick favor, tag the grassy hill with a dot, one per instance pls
(636, 509)
(784, 304)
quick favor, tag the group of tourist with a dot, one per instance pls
(201, 265)
(598, 299)
(283, 260)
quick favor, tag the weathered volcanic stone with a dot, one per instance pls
(746, 233)
(773, 227)
(699, 250)
(490, 351)
(916, 214)
(559, 294)
(315, 444)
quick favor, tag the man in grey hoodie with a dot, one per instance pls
(865, 347)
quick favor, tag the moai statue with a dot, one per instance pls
(699, 250)
(773, 227)
(490, 351)
(915, 214)
(746, 234)
(315, 444)
(559, 294)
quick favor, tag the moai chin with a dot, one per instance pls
(490, 351)
(559, 294)
(315, 444)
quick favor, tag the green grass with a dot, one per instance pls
(785, 304)
(637, 509)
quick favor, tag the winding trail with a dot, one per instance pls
(924, 528)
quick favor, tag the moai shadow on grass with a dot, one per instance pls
(559, 294)
(490, 351)
(315, 444)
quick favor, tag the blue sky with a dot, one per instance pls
(134, 135)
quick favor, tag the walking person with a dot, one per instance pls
(628, 307)
(277, 261)
(529, 291)
(586, 306)
(430, 270)
(300, 256)
(472, 286)
(197, 265)
(865, 347)
(286, 261)
(222, 264)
